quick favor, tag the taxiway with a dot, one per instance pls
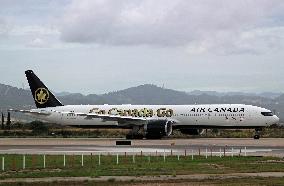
(209, 146)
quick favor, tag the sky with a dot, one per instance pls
(98, 46)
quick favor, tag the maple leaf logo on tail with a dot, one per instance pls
(41, 95)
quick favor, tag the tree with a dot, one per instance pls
(8, 123)
(2, 121)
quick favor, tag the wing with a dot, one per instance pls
(118, 118)
(42, 113)
(123, 119)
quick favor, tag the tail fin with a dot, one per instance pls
(42, 96)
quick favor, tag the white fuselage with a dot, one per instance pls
(201, 116)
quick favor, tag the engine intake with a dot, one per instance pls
(158, 129)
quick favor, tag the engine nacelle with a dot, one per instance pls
(191, 131)
(158, 129)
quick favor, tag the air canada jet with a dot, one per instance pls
(147, 121)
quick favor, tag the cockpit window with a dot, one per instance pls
(267, 113)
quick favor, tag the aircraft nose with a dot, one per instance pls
(276, 119)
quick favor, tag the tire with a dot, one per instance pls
(134, 136)
(256, 136)
(138, 136)
(152, 136)
(129, 136)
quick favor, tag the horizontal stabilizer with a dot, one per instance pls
(44, 113)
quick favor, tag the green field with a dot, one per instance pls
(143, 165)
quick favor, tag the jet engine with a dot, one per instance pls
(191, 131)
(158, 129)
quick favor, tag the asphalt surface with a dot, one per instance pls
(214, 146)
(146, 179)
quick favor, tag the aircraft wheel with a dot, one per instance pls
(153, 136)
(134, 136)
(138, 136)
(129, 136)
(256, 136)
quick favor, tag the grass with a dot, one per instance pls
(126, 167)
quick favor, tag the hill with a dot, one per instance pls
(12, 97)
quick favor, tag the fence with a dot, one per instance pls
(42, 161)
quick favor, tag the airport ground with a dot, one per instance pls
(249, 179)
(246, 161)
(262, 147)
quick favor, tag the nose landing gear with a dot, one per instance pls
(257, 133)
(256, 136)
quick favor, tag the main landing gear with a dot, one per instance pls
(134, 133)
(257, 134)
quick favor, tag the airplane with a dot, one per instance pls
(147, 121)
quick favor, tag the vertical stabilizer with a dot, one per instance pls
(42, 96)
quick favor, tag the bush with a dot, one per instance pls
(17, 125)
(38, 127)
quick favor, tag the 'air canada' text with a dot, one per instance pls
(224, 109)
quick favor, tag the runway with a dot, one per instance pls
(203, 146)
